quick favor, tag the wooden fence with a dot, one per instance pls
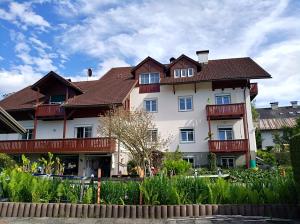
(14, 209)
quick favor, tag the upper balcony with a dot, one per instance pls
(50, 111)
(72, 145)
(225, 111)
(228, 146)
(253, 90)
(149, 88)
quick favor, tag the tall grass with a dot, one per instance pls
(19, 186)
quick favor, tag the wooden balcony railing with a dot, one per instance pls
(225, 111)
(50, 110)
(72, 145)
(253, 90)
(223, 146)
(149, 88)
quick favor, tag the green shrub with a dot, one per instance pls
(283, 158)
(132, 167)
(295, 160)
(6, 161)
(268, 157)
(212, 161)
(176, 167)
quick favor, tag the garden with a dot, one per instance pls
(251, 186)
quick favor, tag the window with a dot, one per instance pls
(223, 99)
(225, 133)
(177, 73)
(185, 103)
(83, 132)
(227, 162)
(183, 72)
(190, 72)
(187, 135)
(28, 135)
(57, 99)
(150, 105)
(152, 135)
(190, 160)
(149, 78)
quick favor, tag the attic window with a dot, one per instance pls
(291, 112)
(183, 72)
(281, 113)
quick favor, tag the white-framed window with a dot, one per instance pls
(83, 132)
(190, 72)
(149, 78)
(150, 105)
(228, 162)
(190, 159)
(187, 135)
(152, 135)
(223, 99)
(225, 133)
(185, 103)
(177, 73)
(183, 72)
(28, 135)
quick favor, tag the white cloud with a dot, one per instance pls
(22, 15)
(163, 29)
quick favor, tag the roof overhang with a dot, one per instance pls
(8, 124)
(43, 84)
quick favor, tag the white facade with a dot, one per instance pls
(169, 120)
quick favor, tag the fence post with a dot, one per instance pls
(141, 194)
(99, 186)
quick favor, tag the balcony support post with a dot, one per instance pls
(34, 124)
(246, 136)
(65, 124)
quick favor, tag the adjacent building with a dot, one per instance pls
(274, 118)
(201, 105)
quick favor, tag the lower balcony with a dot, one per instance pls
(225, 146)
(72, 145)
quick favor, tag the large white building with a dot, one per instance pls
(202, 106)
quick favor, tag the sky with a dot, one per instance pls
(69, 36)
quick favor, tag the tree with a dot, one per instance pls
(132, 130)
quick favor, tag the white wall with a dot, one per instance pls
(169, 120)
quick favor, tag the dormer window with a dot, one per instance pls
(149, 78)
(57, 99)
(189, 72)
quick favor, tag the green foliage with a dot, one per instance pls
(48, 163)
(174, 164)
(268, 157)
(295, 160)
(212, 161)
(258, 138)
(283, 158)
(6, 161)
(132, 167)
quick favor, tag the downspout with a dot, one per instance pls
(247, 130)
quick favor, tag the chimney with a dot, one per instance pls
(172, 59)
(202, 56)
(294, 104)
(274, 105)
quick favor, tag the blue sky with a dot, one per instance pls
(70, 36)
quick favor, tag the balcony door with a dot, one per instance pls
(223, 99)
(225, 133)
(83, 132)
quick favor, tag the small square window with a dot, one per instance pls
(227, 162)
(153, 135)
(150, 105)
(28, 135)
(187, 135)
(83, 132)
(225, 133)
(185, 103)
(223, 99)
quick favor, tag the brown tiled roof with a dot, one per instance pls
(117, 83)
(224, 69)
(112, 88)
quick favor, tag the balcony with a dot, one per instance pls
(225, 111)
(149, 88)
(225, 146)
(253, 90)
(72, 145)
(50, 111)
